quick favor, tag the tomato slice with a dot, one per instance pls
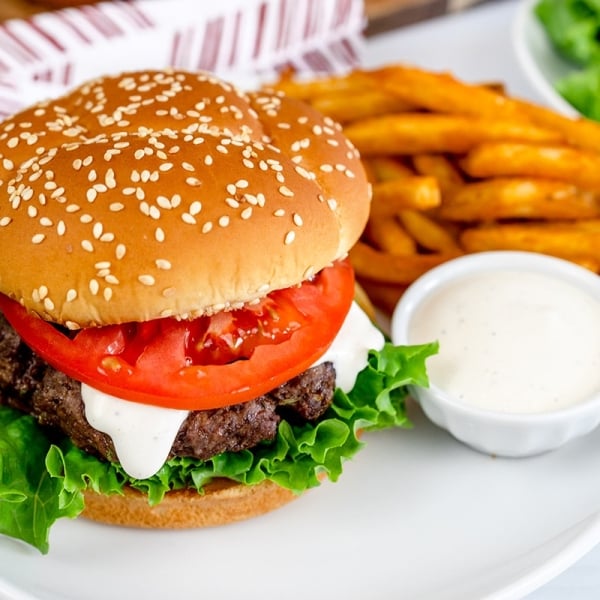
(204, 363)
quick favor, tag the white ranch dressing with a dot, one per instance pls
(143, 435)
(512, 341)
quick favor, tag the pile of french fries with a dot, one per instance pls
(459, 168)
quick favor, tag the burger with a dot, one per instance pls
(179, 341)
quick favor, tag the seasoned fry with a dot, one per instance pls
(441, 167)
(580, 238)
(387, 234)
(440, 92)
(428, 233)
(419, 133)
(308, 89)
(372, 264)
(529, 198)
(352, 105)
(416, 191)
(385, 168)
(384, 295)
(579, 167)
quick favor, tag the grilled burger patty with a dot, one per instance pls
(54, 399)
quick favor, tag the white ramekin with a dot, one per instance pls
(489, 431)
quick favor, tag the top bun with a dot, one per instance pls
(163, 193)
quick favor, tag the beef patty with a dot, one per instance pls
(54, 399)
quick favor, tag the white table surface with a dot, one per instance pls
(476, 46)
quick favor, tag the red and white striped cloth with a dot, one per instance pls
(240, 40)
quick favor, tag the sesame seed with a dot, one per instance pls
(280, 212)
(285, 191)
(297, 220)
(231, 189)
(120, 251)
(87, 245)
(38, 238)
(207, 227)
(195, 207)
(42, 292)
(332, 203)
(110, 278)
(159, 234)
(48, 304)
(90, 195)
(94, 286)
(71, 295)
(146, 280)
(232, 202)
(223, 221)
(289, 238)
(246, 213)
(107, 294)
(4, 221)
(187, 218)
(309, 273)
(116, 206)
(163, 264)
(193, 181)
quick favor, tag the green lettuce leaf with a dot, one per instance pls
(42, 481)
(573, 28)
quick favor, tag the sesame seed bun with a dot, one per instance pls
(164, 193)
(223, 502)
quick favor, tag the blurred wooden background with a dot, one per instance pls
(382, 14)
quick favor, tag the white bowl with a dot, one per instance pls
(495, 431)
(542, 65)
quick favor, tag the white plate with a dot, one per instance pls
(538, 59)
(417, 515)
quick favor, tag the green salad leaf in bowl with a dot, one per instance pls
(573, 27)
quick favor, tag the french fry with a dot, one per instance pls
(419, 133)
(387, 234)
(361, 104)
(580, 238)
(415, 192)
(428, 233)
(384, 295)
(498, 159)
(385, 168)
(518, 197)
(307, 89)
(441, 167)
(374, 265)
(440, 92)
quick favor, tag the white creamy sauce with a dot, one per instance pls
(512, 341)
(348, 351)
(143, 435)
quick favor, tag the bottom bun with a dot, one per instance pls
(224, 501)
